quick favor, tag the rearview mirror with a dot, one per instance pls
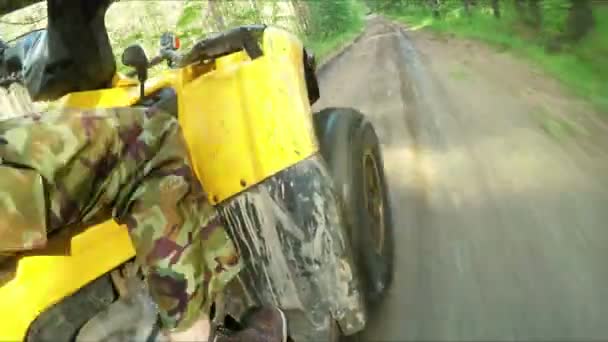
(135, 57)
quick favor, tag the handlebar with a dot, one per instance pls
(224, 43)
(221, 44)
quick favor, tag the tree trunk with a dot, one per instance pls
(467, 8)
(496, 8)
(435, 8)
(580, 20)
(536, 13)
(519, 6)
(300, 9)
(275, 11)
(215, 14)
(258, 12)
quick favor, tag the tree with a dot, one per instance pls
(301, 11)
(496, 8)
(519, 6)
(529, 11)
(257, 11)
(328, 18)
(214, 12)
(535, 13)
(580, 19)
(435, 8)
(467, 7)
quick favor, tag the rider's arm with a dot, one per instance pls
(179, 237)
(135, 163)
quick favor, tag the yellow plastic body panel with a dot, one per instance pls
(243, 121)
(69, 262)
(125, 92)
(247, 120)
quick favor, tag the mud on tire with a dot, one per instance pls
(63, 320)
(350, 146)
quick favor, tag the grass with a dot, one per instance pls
(558, 128)
(583, 68)
(459, 74)
(323, 46)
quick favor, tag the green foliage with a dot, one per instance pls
(559, 128)
(581, 66)
(245, 16)
(322, 25)
(189, 26)
(191, 12)
(329, 18)
(555, 13)
(332, 23)
(387, 5)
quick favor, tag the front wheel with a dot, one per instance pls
(350, 146)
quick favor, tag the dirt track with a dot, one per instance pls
(500, 206)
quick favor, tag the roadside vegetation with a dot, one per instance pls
(568, 39)
(332, 24)
(323, 25)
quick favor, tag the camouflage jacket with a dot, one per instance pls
(73, 167)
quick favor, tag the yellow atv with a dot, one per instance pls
(303, 194)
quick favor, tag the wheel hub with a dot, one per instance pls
(374, 199)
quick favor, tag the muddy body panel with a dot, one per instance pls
(291, 234)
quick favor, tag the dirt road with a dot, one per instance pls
(501, 209)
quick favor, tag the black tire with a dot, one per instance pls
(62, 321)
(347, 142)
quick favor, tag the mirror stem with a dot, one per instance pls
(142, 75)
(142, 89)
